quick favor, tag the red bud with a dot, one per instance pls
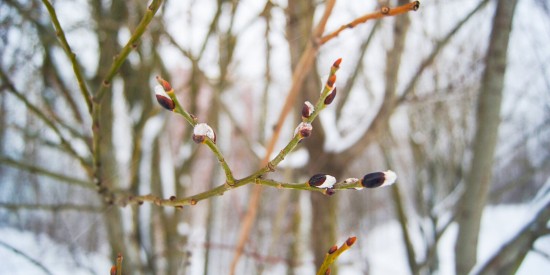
(331, 80)
(351, 240)
(165, 85)
(337, 63)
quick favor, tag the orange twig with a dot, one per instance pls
(384, 11)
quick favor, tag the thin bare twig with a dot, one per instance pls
(52, 207)
(64, 142)
(438, 47)
(70, 54)
(96, 112)
(27, 257)
(130, 45)
(41, 171)
(383, 12)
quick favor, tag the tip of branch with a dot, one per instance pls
(165, 85)
(337, 63)
(351, 240)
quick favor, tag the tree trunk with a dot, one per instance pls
(488, 120)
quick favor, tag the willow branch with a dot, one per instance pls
(383, 12)
(70, 54)
(96, 111)
(302, 69)
(268, 167)
(227, 170)
(130, 45)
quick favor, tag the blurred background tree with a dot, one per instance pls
(410, 98)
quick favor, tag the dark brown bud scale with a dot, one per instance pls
(306, 132)
(113, 270)
(373, 180)
(166, 102)
(199, 138)
(333, 249)
(172, 198)
(327, 272)
(303, 130)
(307, 109)
(330, 97)
(317, 180)
(385, 10)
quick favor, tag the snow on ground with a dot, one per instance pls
(57, 259)
(386, 254)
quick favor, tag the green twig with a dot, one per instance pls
(96, 110)
(179, 109)
(130, 45)
(228, 174)
(70, 54)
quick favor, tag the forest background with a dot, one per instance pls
(453, 96)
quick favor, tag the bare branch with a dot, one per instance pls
(64, 142)
(70, 54)
(27, 257)
(383, 12)
(41, 171)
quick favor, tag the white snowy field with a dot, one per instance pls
(499, 224)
